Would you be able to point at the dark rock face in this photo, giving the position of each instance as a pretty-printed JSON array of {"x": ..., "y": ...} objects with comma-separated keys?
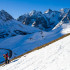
[
  {"x": 45, "y": 21},
  {"x": 35, "y": 19},
  {"x": 20, "y": 32}
]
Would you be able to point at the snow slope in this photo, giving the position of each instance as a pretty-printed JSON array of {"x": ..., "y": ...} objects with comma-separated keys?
[
  {"x": 56, "y": 56},
  {"x": 30, "y": 41},
  {"x": 14, "y": 28}
]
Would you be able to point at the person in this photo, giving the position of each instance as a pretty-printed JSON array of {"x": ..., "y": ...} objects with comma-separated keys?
[{"x": 6, "y": 58}]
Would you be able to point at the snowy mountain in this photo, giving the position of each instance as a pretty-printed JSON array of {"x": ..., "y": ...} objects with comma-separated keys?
[
  {"x": 64, "y": 10},
  {"x": 35, "y": 19},
  {"x": 4, "y": 16},
  {"x": 48, "y": 11},
  {"x": 11, "y": 27},
  {"x": 54, "y": 18},
  {"x": 46, "y": 21}
]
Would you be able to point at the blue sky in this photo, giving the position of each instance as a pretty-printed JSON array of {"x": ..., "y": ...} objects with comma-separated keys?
[{"x": 20, "y": 7}]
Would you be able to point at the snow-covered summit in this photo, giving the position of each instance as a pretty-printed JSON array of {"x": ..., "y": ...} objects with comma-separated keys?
[
  {"x": 34, "y": 12},
  {"x": 4, "y": 16},
  {"x": 35, "y": 19},
  {"x": 48, "y": 11},
  {"x": 64, "y": 10}
]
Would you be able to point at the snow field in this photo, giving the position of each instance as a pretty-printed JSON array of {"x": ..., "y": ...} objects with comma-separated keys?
[{"x": 55, "y": 56}]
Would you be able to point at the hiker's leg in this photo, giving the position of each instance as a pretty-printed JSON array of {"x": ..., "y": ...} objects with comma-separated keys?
[
  {"x": 8, "y": 61},
  {"x": 5, "y": 61}
]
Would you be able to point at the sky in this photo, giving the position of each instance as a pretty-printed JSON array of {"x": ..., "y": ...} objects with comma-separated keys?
[{"x": 19, "y": 7}]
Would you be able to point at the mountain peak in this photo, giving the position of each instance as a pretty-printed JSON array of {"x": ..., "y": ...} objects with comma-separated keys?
[
  {"x": 3, "y": 11},
  {"x": 49, "y": 10},
  {"x": 5, "y": 16},
  {"x": 34, "y": 12},
  {"x": 64, "y": 10}
]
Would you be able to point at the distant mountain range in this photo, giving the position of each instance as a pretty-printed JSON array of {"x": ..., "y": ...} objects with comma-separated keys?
[
  {"x": 46, "y": 21},
  {"x": 32, "y": 22}
]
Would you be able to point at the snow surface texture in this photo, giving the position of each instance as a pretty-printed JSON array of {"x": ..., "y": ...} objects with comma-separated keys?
[
  {"x": 53, "y": 57},
  {"x": 30, "y": 41}
]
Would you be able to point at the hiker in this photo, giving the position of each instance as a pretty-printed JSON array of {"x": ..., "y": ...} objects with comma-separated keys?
[{"x": 7, "y": 58}]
